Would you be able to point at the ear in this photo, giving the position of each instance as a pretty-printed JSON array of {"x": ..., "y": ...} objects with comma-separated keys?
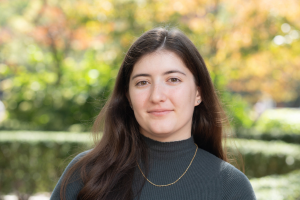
[{"x": 198, "y": 99}]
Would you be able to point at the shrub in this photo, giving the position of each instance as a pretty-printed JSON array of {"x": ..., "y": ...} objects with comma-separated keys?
[
  {"x": 278, "y": 187},
  {"x": 266, "y": 158},
  {"x": 33, "y": 162},
  {"x": 276, "y": 124},
  {"x": 268, "y": 136},
  {"x": 286, "y": 120}
]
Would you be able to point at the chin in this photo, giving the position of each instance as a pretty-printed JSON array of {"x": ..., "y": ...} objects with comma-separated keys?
[
  {"x": 161, "y": 130},
  {"x": 161, "y": 133}
]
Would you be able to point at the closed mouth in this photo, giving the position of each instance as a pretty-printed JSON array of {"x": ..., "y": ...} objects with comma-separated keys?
[{"x": 161, "y": 112}]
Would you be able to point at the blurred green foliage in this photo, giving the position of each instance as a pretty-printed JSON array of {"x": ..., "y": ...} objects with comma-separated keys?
[
  {"x": 275, "y": 124},
  {"x": 268, "y": 136},
  {"x": 58, "y": 59},
  {"x": 281, "y": 187},
  {"x": 265, "y": 158},
  {"x": 237, "y": 110},
  {"x": 35, "y": 101},
  {"x": 282, "y": 120},
  {"x": 26, "y": 160}
]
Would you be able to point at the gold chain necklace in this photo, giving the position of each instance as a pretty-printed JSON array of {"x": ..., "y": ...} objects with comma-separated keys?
[{"x": 174, "y": 181}]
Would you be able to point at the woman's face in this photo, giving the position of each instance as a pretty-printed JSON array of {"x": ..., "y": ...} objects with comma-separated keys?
[{"x": 163, "y": 95}]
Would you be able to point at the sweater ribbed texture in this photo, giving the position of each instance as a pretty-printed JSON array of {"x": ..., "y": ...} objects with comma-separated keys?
[{"x": 207, "y": 178}]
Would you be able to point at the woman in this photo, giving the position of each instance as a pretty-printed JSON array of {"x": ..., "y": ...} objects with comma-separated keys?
[{"x": 162, "y": 131}]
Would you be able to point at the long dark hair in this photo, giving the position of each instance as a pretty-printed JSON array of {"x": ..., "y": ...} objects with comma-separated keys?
[{"x": 107, "y": 170}]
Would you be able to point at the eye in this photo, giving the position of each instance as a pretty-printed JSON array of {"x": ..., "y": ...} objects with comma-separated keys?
[
  {"x": 175, "y": 80},
  {"x": 141, "y": 83}
]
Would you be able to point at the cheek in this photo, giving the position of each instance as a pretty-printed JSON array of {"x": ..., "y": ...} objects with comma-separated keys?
[
  {"x": 138, "y": 98},
  {"x": 182, "y": 96}
]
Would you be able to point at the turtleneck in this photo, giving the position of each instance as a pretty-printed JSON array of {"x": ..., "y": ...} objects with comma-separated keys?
[
  {"x": 167, "y": 160},
  {"x": 169, "y": 150},
  {"x": 208, "y": 177}
]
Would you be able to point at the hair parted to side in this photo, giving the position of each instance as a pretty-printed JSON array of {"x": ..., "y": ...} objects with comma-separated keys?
[{"x": 107, "y": 170}]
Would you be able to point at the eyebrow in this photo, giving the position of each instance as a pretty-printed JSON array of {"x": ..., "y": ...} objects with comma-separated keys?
[{"x": 167, "y": 72}]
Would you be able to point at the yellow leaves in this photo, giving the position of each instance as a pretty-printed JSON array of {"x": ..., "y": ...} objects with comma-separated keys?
[
  {"x": 197, "y": 25},
  {"x": 220, "y": 56},
  {"x": 186, "y": 7},
  {"x": 144, "y": 15},
  {"x": 89, "y": 9},
  {"x": 244, "y": 10},
  {"x": 262, "y": 72},
  {"x": 32, "y": 10},
  {"x": 126, "y": 41},
  {"x": 93, "y": 27},
  {"x": 239, "y": 37},
  {"x": 208, "y": 65},
  {"x": 6, "y": 84},
  {"x": 236, "y": 37},
  {"x": 107, "y": 55},
  {"x": 257, "y": 65},
  {"x": 106, "y": 5},
  {"x": 5, "y": 36},
  {"x": 121, "y": 25},
  {"x": 161, "y": 11},
  {"x": 20, "y": 24},
  {"x": 244, "y": 36},
  {"x": 275, "y": 86},
  {"x": 287, "y": 8},
  {"x": 178, "y": 7},
  {"x": 81, "y": 38}
]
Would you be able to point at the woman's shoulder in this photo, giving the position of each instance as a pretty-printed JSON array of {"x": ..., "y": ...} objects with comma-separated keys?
[
  {"x": 75, "y": 160},
  {"x": 235, "y": 184},
  {"x": 74, "y": 187},
  {"x": 78, "y": 157}
]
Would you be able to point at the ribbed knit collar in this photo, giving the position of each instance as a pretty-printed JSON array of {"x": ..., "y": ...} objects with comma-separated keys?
[{"x": 169, "y": 150}]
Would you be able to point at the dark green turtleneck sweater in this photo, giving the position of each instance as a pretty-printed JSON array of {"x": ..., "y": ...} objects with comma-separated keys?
[{"x": 207, "y": 178}]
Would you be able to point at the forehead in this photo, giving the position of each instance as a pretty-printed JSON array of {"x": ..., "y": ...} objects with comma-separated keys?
[{"x": 160, "y": 61}]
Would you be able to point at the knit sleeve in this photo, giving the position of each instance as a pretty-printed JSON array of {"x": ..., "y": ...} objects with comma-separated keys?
[
  {"x": 74, "y": 187},
  {"x": 235, "y": 184}
]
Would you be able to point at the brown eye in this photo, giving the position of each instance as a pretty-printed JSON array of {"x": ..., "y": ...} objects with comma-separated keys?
[
  {"x": 174, "y": 80},
  {"x": 142, "y": 83}
]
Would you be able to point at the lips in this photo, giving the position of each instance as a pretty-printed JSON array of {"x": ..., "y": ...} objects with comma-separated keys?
[{"x": 159, "y": 112}]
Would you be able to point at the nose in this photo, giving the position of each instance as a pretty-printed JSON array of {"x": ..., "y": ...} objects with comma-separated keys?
[{"x": 158, "y": 93}]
